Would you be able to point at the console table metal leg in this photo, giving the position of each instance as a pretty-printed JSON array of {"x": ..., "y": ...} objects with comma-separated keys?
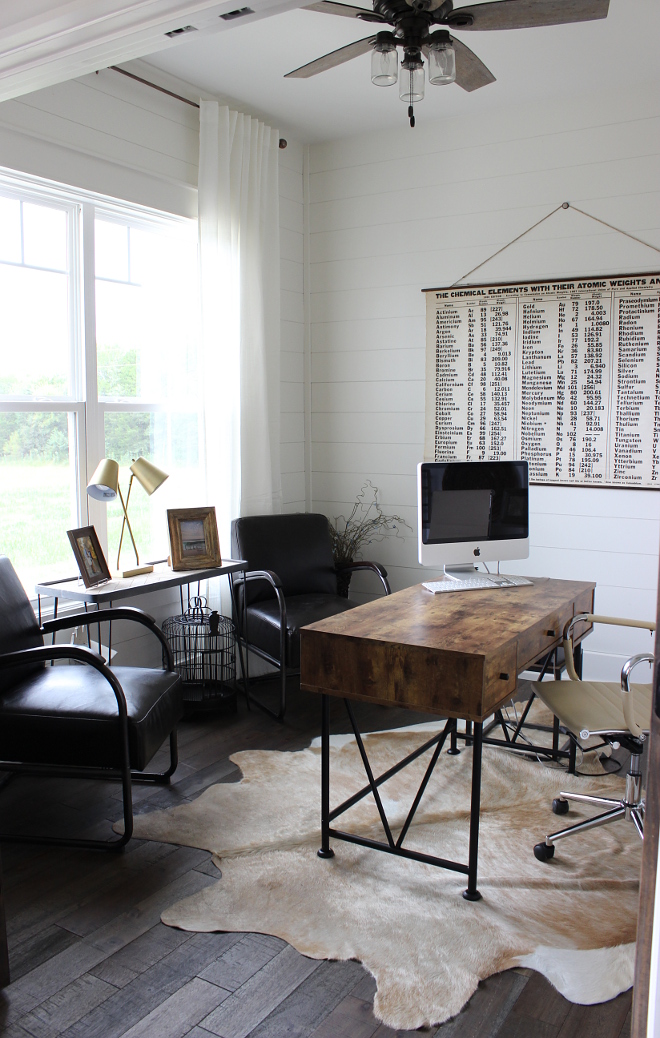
[
  {"x": 471, "y": 893},
  {"x": 325, "y": 851}
]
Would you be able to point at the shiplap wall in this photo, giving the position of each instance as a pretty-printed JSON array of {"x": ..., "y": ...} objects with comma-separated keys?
[
  {"x": 292, "y": 322},
  {"x": 396, "y": 212},
  {"x": 108, "y": 134}
]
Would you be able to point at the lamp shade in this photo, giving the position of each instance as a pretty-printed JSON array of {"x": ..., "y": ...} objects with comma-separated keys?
[
  {"x": 103, "y": 484},
  {"x": 149, "y": 476}
]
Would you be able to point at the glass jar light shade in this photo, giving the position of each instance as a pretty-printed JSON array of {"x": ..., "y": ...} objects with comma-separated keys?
[
  {"x": 442, "y": 63},
  {"x": 411, "y": 84},
  {"x": 384, "y": 65}
]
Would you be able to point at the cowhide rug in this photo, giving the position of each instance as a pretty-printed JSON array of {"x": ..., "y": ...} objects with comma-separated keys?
[{"x": 572, "y": 919}]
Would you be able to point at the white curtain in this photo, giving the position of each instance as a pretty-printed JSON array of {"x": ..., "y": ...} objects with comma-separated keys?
[{"x": 238, "y": 201}]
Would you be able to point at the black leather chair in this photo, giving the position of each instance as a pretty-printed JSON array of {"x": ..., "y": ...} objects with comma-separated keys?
[
  {"x": 291, "y": 581},
  {"x": 91, "y": 721}
]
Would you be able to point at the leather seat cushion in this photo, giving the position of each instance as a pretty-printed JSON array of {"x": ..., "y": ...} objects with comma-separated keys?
[
  {"x": 263, "y": 621},
  {"x": 594, "y": 705},
  {"x": 68, "y": 715}
]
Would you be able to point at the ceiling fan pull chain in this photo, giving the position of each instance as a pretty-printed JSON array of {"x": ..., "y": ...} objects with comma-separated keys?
[{"x": 411, "y": 115}]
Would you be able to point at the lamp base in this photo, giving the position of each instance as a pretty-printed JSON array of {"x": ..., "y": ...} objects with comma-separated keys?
[{"x": 137, "y": 571}]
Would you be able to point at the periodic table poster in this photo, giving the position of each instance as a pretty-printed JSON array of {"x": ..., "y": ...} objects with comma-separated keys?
[{"x": 563, "y": 374}]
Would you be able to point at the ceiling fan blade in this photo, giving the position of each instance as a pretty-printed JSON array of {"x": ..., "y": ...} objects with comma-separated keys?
[
  {"x": 525, "y": 14},
  {"x": 471, "y": 73},
  {"x": 345, "y": 10},
  {"x": 335, "y": 57}
]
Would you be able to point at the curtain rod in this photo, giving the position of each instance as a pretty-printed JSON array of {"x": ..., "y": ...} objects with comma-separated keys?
[
  {"x": 170, "y": 93},
  {"x": 154, "y": 86}
]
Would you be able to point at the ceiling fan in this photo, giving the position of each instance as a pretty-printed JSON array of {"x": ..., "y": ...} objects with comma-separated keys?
[{"x": 448, "y": 59}]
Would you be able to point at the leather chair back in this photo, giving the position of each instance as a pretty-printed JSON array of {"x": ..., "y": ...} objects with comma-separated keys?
[
  {"x": 296, "y": 546},
  {"x": 18, "y": 624}
]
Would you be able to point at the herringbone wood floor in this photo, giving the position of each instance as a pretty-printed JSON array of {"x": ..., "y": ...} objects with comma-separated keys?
[{"x": 90, "y": 959}]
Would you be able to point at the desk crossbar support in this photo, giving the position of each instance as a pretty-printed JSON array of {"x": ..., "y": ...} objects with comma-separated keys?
[
  {"x": 325, "y": 851},
  {"x": 401, "y": 852},
  {"x": 420, "y": 792},
  {"x": 336, "y": 811},
  {"x": 370, "y": 776}
]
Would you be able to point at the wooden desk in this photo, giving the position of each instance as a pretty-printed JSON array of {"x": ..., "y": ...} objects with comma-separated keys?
[{"x": 457, "y": 655}]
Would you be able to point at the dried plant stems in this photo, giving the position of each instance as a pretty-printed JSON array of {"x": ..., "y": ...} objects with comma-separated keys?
[{"x": 366, "y": 523}]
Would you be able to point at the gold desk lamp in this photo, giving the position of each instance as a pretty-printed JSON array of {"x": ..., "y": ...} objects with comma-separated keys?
[{"x": 104, "y": 486}]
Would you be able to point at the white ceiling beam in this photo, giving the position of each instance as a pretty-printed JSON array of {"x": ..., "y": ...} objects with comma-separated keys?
[{"x": 44, "y": 42}]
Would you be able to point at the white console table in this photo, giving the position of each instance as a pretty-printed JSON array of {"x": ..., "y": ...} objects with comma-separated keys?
[{"x": 73, "y": 588}]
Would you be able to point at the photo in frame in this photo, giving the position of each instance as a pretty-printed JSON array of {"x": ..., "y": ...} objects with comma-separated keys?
[
  {"x": 89, "y": 556},
  {"x": 194, "y": 540}
]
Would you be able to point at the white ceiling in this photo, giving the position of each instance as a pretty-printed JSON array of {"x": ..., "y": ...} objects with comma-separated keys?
[{"x": 556, "y": 63}]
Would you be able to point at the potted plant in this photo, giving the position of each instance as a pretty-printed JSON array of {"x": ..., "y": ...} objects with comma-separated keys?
[{"x": 366, "y": 523}]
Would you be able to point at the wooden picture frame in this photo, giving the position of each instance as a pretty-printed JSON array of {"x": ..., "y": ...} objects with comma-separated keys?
[
  {"x": 194, "y": 540},
  {"x": 89, "y": 556}
]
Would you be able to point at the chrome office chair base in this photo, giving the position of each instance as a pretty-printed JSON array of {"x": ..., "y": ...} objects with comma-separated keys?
[{"x": 630, "y": 806}]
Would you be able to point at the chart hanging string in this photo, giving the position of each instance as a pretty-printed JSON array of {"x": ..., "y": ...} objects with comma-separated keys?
[
  {"x": 564, "y": 205},
  {"x": 612, "y": 227}
]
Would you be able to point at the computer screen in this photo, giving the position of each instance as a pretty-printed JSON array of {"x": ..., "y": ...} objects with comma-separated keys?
[{"x": 472, "y": 511}]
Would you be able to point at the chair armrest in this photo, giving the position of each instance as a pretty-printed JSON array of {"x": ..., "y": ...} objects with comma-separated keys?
[
  {"x": 380, "y": 571},
  {"x": 260, "y": 574},
  {"x": 116, "y": 613},
  {"x": 596, "y": 618},
  {"x": 627, "y": 699},
  {"x": 45, "y": 653},
  {"x": 271, "y": 578}
]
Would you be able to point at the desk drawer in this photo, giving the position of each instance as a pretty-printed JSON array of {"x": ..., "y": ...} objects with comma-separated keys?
[{"x": 537, "y": 641}]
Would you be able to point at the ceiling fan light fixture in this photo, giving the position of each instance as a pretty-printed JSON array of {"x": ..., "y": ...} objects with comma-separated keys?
[
  {"x": 442, "y": 59},
  {"x": 384, "y": 61},
  {"x": 411, "y": 79}
]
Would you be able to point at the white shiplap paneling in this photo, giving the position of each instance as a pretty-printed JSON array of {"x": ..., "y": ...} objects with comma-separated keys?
[{"x": 393, "y": 213}]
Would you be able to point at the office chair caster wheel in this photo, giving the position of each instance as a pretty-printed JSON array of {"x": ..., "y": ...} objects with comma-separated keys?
[
  {"x": 543, "y": 852},
  {"x": 559, "y": 806}
]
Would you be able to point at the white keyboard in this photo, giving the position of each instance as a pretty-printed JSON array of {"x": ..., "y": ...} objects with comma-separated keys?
[{"x": 478, "y": 582}]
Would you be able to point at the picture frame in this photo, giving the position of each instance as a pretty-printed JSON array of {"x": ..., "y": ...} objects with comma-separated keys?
[
  {"x": 194, "y": 540},
  {"x": 89, "y": 556}
]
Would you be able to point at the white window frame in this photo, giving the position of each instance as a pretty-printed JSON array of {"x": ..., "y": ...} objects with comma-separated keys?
[{"x": 82, "y": 404}]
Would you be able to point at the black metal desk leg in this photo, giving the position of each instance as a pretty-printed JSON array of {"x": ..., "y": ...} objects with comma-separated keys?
[
  {"x": 325, "y": 851},
  {"x": 471, "y": 893},
  {"x": 453, "y": 741}
]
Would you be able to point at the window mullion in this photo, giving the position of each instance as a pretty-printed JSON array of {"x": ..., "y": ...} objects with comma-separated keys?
[{"x": 94, "y": 438}]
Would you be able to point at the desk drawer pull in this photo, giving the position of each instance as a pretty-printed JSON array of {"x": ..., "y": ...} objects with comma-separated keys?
[
  {"x": 551, "y": 634},
  {"x": 504, "y": 677}
]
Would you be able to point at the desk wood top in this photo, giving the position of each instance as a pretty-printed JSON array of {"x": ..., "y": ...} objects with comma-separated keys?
[{"x": 456, "y": 654}]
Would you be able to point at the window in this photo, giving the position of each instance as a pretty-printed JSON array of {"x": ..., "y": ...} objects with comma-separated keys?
[{"x": 99, "y": 343}]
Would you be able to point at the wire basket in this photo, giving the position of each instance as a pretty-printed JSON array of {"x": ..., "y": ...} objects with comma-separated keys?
[{"x": 203, "y": 643}]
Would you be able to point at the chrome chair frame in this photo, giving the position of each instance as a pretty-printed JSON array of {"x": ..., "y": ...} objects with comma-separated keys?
[{"x": 631, "y": 805}]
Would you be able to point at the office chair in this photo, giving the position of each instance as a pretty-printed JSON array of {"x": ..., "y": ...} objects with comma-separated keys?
[
  {"x": 619, "y": 714},
  {"x": 89, "y": 721},
  {"x": 291, "y": 582}
]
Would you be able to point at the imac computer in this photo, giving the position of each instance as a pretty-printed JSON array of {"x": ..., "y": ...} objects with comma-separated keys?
[{"x": 470, "y": 512}]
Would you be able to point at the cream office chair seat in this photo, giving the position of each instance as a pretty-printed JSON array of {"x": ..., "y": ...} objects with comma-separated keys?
[{"x": 618, "y": 713}]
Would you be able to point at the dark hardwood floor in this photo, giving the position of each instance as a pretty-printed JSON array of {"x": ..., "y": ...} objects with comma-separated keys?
[{"x": 89, "y": 957}]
